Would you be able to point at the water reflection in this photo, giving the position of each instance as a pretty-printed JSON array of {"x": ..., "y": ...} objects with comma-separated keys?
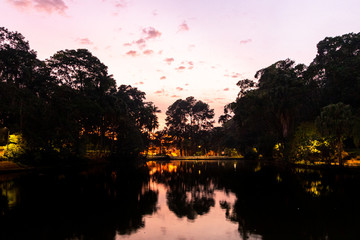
[
  {"x": 90, "y": 205},
  {"x": 182, "y": 200}
]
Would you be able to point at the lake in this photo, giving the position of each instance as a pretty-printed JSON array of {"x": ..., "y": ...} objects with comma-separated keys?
[{"x": 181, "y": 200}]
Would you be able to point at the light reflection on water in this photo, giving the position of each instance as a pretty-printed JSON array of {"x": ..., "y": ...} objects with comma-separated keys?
[
  {"x": 165, "y": 224},
  {"x": 182, "y": 200}
]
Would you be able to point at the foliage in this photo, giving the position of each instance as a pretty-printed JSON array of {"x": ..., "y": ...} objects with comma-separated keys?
[
  {"x": 335, "y": 122},
  {"x": 189, "y": 122},
  {"x": 69, "y": 103}
]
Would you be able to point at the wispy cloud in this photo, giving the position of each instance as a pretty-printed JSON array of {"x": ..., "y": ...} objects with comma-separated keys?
[
  {"x": 179, "y": 88},
  {"x": 132, "y": 53},
  {"x": 180, "y": 68},
  {"x": 163, "y": 78},
  {"x": 127, "y": 44},
  {"x": 139, "y": 83},
  {"x": 226, "y": 89},
  {"x": 162, "y": 91},
  {"x": 246, "y": 41},
  {"x": 151, "y": 33},
  {"x": 236, "y": 75},
  {"x": 169, "y": 60},
  {"x": 121, "y": 4},
  {"x": 183, "y": 27},
  {"x": 85, "y": 41},
  {"x": 141, "y": 43},
  {"x": 48, "y": 6},
  {"x": 175, "y": 96},
  {"x": 148, "y": 52}
]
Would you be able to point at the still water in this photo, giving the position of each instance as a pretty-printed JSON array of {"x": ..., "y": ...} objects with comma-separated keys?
[{"x": 182, "y": 200}]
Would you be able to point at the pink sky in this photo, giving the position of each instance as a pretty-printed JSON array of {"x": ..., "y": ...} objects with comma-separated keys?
[{"x": 174, "y": 49}]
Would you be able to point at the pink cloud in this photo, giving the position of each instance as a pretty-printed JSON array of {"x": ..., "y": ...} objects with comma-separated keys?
[
  {"x": 246, "y": 41},
  {"x": 148, "y": 52},
  {"x": 140, "y": 41},
  {"x": 186, "y": 84},
  {"x": 132, "y": 53},
  {"x": 155, "y": 13},
  {"x": 162, "y": 91},
  {"x": 127, "y": 44},
  {"x": 121, "y": 4},
  {"x": 48, "y": 6},
  {"x": 180, "y": 68},
  {"x": 139, "y": 83},
  {"x": 236, "y": 75},
  {"x": 169, "y": 60},
  {"x": 179, "y": 88},
  {"x": 163, "y": 78},
  {"x": 183, "y": 27},
  {"x": 191, "y": 65},
  {"x": 226, "y": 89},
  {"x": 151, "y": 33},
  {"x": 85, "y": 41},
  {"x": 175, "y": 96}
]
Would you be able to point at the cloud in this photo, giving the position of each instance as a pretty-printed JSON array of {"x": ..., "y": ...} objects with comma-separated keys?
[
  {"x": 121, "y": 4},
  {"x": 139, "y": 83},
  {"x": 179, "y": 88},
  {"x": 191, "y": 65},
  {"x": 180, "y": 68},
  {"x": 155, "y": 12},
  {"x": 249, "y": 40},
  {"x": 226, "y": 89},
  {"x": 127, "y": 44},
  {"x": 48, "y": 6},
  {"x": 169, "y": 60},
  {"x": 162, "y": 91},
  {"x": 140, "y": 41},
  {"x": 183, "y": 27},
  {"x": 236, "y": 75},
  {"x": 163, "y": 78},
  {"x": 175, "y": 96},
  {"x": 148, "y": 52},
  {"x": 132, "y": 53},
  {"x": 151, "y": 33},
  {"x": 85, "y": 41},
  {"x": 186, "y": 84},
  {"x": 233, "y": 75}
]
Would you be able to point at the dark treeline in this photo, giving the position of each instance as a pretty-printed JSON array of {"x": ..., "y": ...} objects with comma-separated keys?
[
  {"x": 289, "y": 111},
  {"x": 68, "y": 103},
  {"x": 301, "y": 112}
]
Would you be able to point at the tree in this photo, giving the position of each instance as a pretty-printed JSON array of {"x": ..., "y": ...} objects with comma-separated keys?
[
  {"x": 186, "y": 119},
  {"x": 267, "y": 113},
  {"x": 82, "y": 71},
  {"x": 336, "y": 69},
  {"x": 335, "y": 122}
]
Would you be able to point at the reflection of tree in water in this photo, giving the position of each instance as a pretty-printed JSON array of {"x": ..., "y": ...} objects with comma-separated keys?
[
  {"x": 276, "y": 203},
  {"x": 190, "y": 186},
  {"x": 87, "y": 206},
  {"x": 272, "y": 202}
]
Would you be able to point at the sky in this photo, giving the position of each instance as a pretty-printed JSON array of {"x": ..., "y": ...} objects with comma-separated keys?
[{"x": 172, "y": 49}]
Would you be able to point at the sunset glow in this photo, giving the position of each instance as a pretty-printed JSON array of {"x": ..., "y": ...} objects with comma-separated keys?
[{"x": 176, "y": 49}]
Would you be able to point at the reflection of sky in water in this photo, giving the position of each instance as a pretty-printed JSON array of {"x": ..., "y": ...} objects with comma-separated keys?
[{"x": 164, "y": 224}]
